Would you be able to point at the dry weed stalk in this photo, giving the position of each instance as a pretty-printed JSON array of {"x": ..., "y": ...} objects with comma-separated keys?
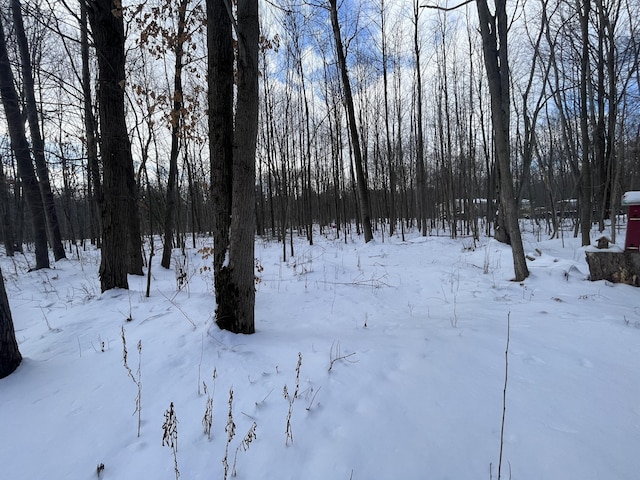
[
  {"x": 207, "y": 420},
  {"x": 137, "y": 378},
  {"x": 335, "y": 355},
  {"x": 291, "y": 399},
  {"x": 230, "y": 428},
  {"x": 246, "y": 441},
  {"x": 170, "y": 435}
]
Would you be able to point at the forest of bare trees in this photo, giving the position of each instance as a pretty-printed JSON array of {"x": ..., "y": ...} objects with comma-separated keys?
[{"x": 125, "y": 121}]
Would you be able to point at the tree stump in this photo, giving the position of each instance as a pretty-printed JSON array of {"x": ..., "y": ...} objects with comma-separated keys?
[{"x": 617, "y": 267}]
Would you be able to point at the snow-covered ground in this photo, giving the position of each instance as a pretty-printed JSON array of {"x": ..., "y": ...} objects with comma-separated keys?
[{"x": 402, "y": 348}]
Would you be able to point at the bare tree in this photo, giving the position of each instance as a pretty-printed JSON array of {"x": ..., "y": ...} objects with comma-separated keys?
[
  {"x": 20, "y": 147},
  {"x": 493, "y": 29},
  {"x": 241, "y": 250},
  {"x": 94, "y": 185},
  {"x": 307, "y": 189},
  {"x": 34, "y": 130},
  {"x": 585, "y": 174},
  {"x": 363, "y": 191},
  {"x": 420, "y": 170},
  {"x": 120, "y": 223},
  {"x": 530, "y": 115},
  {"x": 176, "y": 126},
  {"x": 390, "y": 159},
  {"x": 235, "y": 292}
]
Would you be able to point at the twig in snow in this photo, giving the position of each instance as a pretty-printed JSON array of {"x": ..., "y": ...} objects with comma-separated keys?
[
  {"x": 504, "y": 392},
  {"x": 335, "y": 356},
  {"x": 179, "y": 309}
]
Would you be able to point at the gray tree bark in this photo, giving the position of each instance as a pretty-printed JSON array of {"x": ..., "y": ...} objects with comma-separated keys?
[
  {"x": 37, "y": 141},
  {"x": 220, "y": 97},
  {"x": 363, "y": 191},
  {"x": 616, "y": 267},
  {"x": 10, "y": 357},
  {"x": 241, "y": 250},
  {"x": 5, "y": 214},
  {"x": 120, "y": 224},
  {"x": 235, "y": 291},
  {"x": 420, "y": 170},
  {"x": 390, "y": 160},
  {"x": 176, "y": 125},
  {"x": 493, "y": 29},
  {"x": 20, "y": 147},
  {"x": 93, "y": 166},
  {"x": 585, "y": 174}
]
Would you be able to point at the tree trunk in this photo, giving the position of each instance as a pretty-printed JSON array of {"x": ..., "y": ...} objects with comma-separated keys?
[
  {"x": 241, "y": 250},
  {"x": 10, "y": 357},
  {"x": 392, "y": 176},
  {"x": 307, "y": 154},
  {"x": 20, "y": 147},
  {"x": 399, "y": 149},
  {"x": 363, "y": 191},
  {"x": 616, "y": 267},
  {"x": 36, "y": 137},
  {"x": 176, "y": 125},
  {"x": 420, "y": 170},
  {"x": 93, "y": 167},
  {"x": 5, "y": 213},
  {"x": 220, "y": 97},
  {"x": 235, "y": 282},
  {"x": 133, "y": 219},
  {"x": 531, "y": 118},
  {"x": 118, "y": 182},
  {"x": 585, "y": 175},
  {"x": 494, "y": 44}
]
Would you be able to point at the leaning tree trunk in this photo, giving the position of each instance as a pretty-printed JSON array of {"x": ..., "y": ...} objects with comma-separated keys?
[
  {"x": 20, "y": 147},
  {"x": 10, "y": 357},
  {"x": 493, "y": 29},
  {"x": 36, "y": 136},
  {"x": 220, "y": 96},
  {"x": 363, "y": 192},
  {"x": 108, "y": 34}
]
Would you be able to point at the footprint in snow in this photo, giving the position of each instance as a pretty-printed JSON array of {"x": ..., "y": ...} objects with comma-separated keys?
[
  {"x": 533, "y": 360},
  {"x": 586, "y": 363}
]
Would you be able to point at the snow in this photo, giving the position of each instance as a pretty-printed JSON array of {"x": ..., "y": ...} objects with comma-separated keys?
[
  {"x": 613, "y": 248},
  {"x": 402, "y": 375},
  {"x": 631, "y": 198}
]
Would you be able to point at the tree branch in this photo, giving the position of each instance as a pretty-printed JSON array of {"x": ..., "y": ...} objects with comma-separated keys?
[{"x": 447, "y": 9}]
